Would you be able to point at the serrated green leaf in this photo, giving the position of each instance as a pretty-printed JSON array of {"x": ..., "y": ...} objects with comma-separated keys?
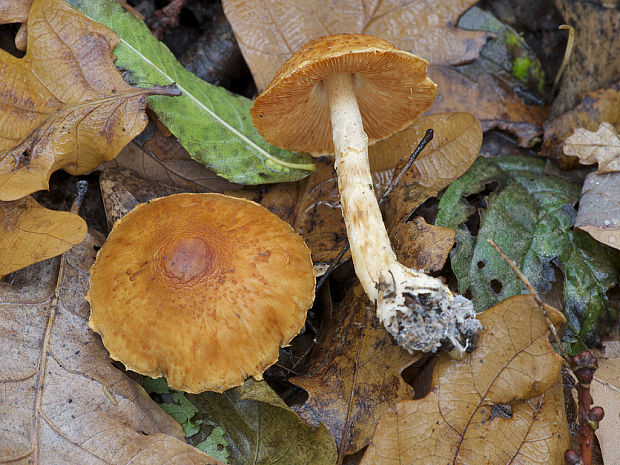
[
  {"x": 530, "y": 216},
  {"x": 215, "y": 445},
  {"x": 262, "y": 430},
  {"x": 212, "y": 124}
]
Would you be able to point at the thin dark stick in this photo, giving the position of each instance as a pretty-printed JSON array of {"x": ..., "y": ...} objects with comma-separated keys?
[
  {"x": 428, "y": 136},
  {"x": 534, "y": 294}
]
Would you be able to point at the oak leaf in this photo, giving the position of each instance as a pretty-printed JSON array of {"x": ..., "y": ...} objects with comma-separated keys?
[
  {"x": 602, "y": 147},
  {"x": 62, "y": 400},
  {"x": 30, "y": 233},
  {"x": 501, "y": 404},
  {"x": 599, "y": 212},
  {"x": 595, "y": 107},
  {"x": 64, "y": 104},
  {"x": 605, "y": 390},
  {"x": 14, "y": 11},
  {"x": 269, "y": 32}
]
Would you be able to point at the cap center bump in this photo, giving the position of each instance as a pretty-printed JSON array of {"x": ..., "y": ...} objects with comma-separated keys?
[{"x": 187, "y": 258}]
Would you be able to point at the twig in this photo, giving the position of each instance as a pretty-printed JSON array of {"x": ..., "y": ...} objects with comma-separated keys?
[
  {"x": 536, "y": 297},
  {"x": 567, "y": 54},
  {"x": 583, "y": 366},
  {"x": 428, "y": 136}
]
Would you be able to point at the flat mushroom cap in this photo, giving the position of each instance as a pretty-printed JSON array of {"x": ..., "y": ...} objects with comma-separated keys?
[
  {"x": 200, "y": 288},
  {"x": 391, "y": 88}
]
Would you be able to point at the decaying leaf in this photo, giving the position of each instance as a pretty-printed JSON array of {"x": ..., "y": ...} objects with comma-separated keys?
[
  {"x": 351, "y": 382},
  {"x": 595, "y": 60},
  {"x": 262, "y": 430},
  {"x": 14, "y": 11},
  {"x": 163, "y": 159},
  {"x": 30, "y": 233},
  {"x": 211, "y": 123},
  {"x": 599, "y": 211},
  {"x": 595, "y": 107},
  {"x": 605, "y": 390},
  {"x": 455, "y": 146},
  {"x": 530, "y": 215},
  {"x": 507, "y": 56},
  {"x": 63, "y": 401},
  {"x": 122, "y": 189},
  {"x": 501, "y": 404},
  {"x": 64, "y": 105},
  {"x": 491, "y": 101},
  {"x": 602, "y": 147},
  {"x": 269, "y": 32},
  {"x": 335, "y": 364}
]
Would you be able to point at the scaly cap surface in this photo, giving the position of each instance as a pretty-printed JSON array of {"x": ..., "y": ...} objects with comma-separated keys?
[{"x": 200, "y": 288}]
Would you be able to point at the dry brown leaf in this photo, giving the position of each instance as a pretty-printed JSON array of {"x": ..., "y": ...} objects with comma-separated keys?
[
  {"x": 64, "y": 105},
  {"x": 332, "y": 369},
  {"x": 595, "y": 60},
  {"x": 269, "y": 32},
  {"x": 599, "y": 208},
  {"x": 14, "y": 11},
  {"x": 492, "y": 102},
  {"x": 605, "y": 390},
  {"x": 365, "y": 360},
  {"x": 602, "y": 147},
  {"x": 422, "y": 246},
  {"x": 455, "y": 146},
  {"x": 122, "y": 189},
  {"x": 30, "y": 233},
  {"x": 62, "y": 400},
  {"x": 163, "y": 159},
  {"x": 501, "y": 404},
  {"x": 595, "y": 107},
  {"x": 363, "y": 367}
]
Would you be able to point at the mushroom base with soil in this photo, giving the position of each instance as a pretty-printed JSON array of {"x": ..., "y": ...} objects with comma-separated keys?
[{"x": 419, "y": 311}]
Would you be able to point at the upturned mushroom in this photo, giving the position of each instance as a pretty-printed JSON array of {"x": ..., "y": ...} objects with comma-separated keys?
[
  {"x": 335, "y": 95},
  {"x": 200, "y": 288}
]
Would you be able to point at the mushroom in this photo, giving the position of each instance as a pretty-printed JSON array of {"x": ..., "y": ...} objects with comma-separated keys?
[
  {"x": 200, "y": 288},
  {"x": 335, "y": 95}
]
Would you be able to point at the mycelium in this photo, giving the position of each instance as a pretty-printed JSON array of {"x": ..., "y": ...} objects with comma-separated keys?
[
  {"x": 200, "y": 288},
  {"x": 335, "y": 95}
]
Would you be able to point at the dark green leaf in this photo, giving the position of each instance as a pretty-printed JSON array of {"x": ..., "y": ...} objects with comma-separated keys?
[
  {"x": 261, "y": 429},
  {"x": 530, "y": 216},
  {"x": 215, "y": 445},
  {"x": 212, "y": 124}
]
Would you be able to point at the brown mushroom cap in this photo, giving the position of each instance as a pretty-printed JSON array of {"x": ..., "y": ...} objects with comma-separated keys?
[
  {"x": 391, "y": 88},
  {"x": 200, "y": 288}
]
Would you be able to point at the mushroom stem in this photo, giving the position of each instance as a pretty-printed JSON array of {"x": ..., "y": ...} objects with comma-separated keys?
[{"x": 418, "y": 310}]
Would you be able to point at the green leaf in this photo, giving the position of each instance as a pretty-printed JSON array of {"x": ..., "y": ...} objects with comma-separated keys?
[
  {"x": 530, "y": 215},
  {"x": 262, "y": 430},
  {"x": 215, "y": 445},
  {"x": 212, "y": 124},
  {"x": 183, "y": 411},
  {"x": 155, "y": 386}
]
